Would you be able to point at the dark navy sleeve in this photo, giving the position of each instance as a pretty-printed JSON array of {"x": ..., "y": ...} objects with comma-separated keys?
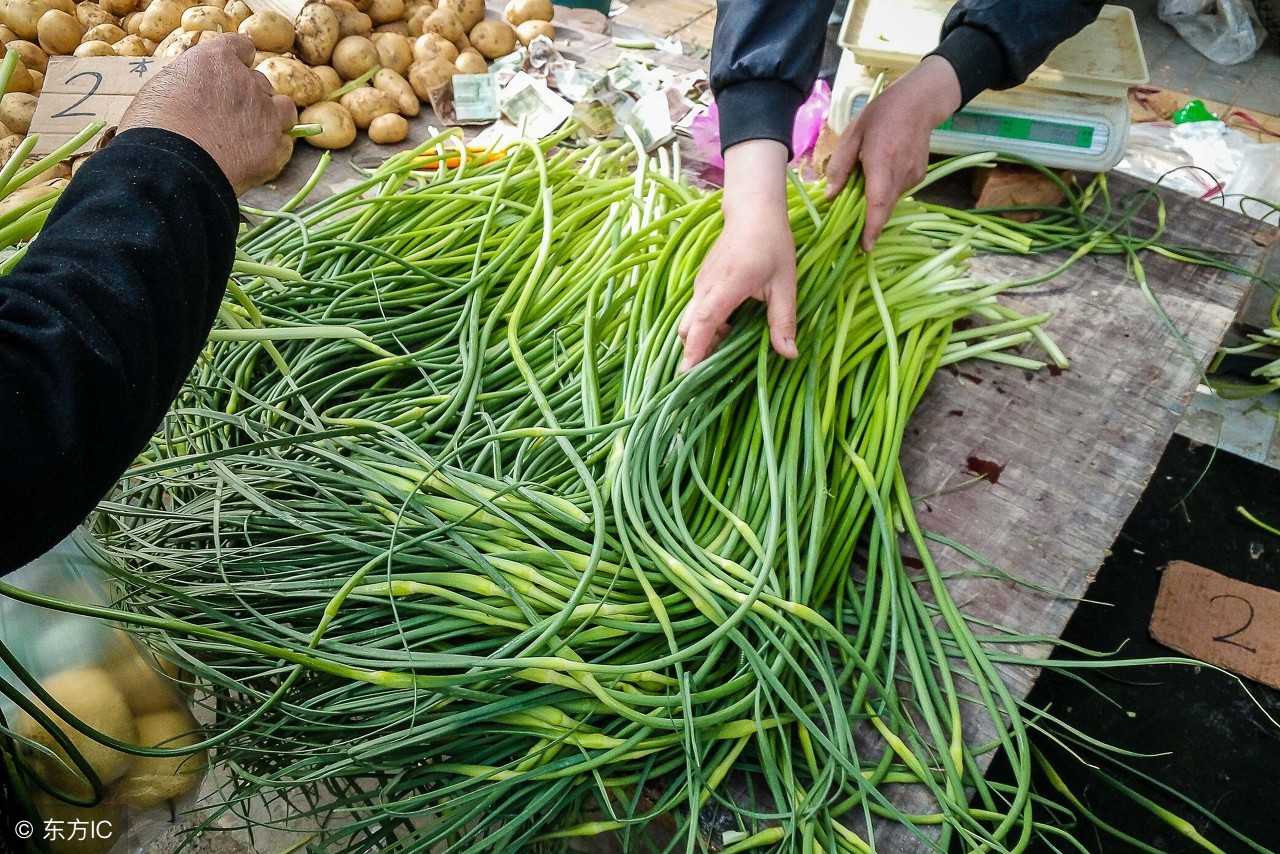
[
  {"x": 100, "y": 323},
  {"x": 765, "y": 56},
  {"x": 996, "y": 44}
]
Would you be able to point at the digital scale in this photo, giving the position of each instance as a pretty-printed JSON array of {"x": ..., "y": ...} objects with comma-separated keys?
[{"x": 1071, "y": 113}]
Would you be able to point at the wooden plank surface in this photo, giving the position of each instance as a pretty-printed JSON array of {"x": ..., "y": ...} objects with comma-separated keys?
[{"x": 1077, "y": 448}]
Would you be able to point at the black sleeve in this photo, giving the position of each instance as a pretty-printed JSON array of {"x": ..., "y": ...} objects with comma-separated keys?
[
  {"x": 99, "y": 325},
  {"x": 996, "y": 44},
  {"x": 765, "y": 56}
]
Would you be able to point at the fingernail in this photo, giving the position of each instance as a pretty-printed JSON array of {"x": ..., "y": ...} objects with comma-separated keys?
[
  {"x": 789, "y": 348},
  {"x": 684, "y": 365}
]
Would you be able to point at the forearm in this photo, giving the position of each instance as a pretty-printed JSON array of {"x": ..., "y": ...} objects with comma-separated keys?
[
  {"x": 755, "y": 174},
  {"x": 765, "y": 57},
  {"x": 995, "y": 44},
  {"x": 99, "y": 325}
]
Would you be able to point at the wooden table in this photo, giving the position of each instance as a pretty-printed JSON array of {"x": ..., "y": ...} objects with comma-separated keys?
[{"x": 1077, "y": 447}]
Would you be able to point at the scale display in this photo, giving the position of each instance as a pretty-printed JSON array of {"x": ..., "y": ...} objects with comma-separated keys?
[{"x": 1021, "y": 132}]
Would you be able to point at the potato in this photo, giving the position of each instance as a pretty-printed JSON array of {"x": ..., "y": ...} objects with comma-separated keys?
[
  {"x": 493, "y": 38},
  {"x": 8, "y": 145},
  {"x": 131, "y": 23},
  {"x": 431, "y": 75},
  {"x": 330, "y": 82},
  {"x": 385, "y": 11},
  {"x": 317, "y": 31},
  {"x": 162, "y": 17},
  {"x": 155, "y": 780},
  {"x": 413, "y": 6},
  {"x": 430, "y": 46},
  {"x": 95, "y": 48},
  {"x": 530, "y": 30},
  {"x": 400, "y": 28},
  {"x": 269, "y": 31},
  {"x": 292, "y": 77},
  {"x": 238, "y": 11},
  {"x": 20, "y": 80},
  {"x": 388, "y": 129},
  {"x": 209, "y": 18},
  {"x": 179, "y": 42},
  {"x": 469, "y": 12},
  {"x": 444, "y": 23},
  {"x": 519, "y": 11},
  {"x": 132, "y": 46},
  {"x": 23, "y": 16},
  {"x": 417, "y": 18},
  {"x": 399, "y": 89},
  {"x": 91, "y": 15},
  {"x": 351, "y": 21},
  {"x": 362, "y": 5},
  {"x": 59, "y": 33},
  {"x": 37, "y": 82},
  {"x": 354, "y": 23},
  {"x": 366, "y": 104},
  {"x": 140, "y": 681},
  {"x": 89, "y": 695},
  {"x": 119, "y": 8},
  {"x": 108, "y": 33},
  {"x": 32, "y": 56},
  {"x": 16, "y": 110},
  {"x": 261, "y": 56},
  {"x": 471, "y": 62},
  {"x": 339, "y": 129},
  {"x": 394, "y": 51},
  {"x": 7, "y": 35},
  {"x": 462, "y": 43},
  {"x": 353, "y": 56}
]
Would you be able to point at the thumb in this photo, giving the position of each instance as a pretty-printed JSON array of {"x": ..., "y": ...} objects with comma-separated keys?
[
  {"x": 782, "y": 316},
  {"x": 845, "y": 158}
]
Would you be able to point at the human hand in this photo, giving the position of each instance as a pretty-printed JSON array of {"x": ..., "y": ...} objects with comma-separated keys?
[
  {"x": 890, "y": 137},
  {"x": 211, "y": 96},
  {"x": 754, "y": 256}
]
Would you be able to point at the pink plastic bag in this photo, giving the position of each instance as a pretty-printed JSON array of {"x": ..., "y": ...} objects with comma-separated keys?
[
  {"x": 705, "y": 129},
  {"x": 809, "y": 119}
]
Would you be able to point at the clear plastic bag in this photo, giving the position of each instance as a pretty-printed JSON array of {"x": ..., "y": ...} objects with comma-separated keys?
[
  {"x": 97, "y": 676},
  {"x": 1223, "y": 30}
]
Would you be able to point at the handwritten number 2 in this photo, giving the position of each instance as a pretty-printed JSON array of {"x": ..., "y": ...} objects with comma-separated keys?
[
  {"x": 1227, "y": 638},
  {"x": 66, "y": 113}
]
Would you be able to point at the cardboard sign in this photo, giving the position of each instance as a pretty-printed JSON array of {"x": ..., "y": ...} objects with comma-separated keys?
[
  {"x": 1219, "y": 620},
  {"x": 288, "y": 8},
  {"x": 81, "y": 90}
]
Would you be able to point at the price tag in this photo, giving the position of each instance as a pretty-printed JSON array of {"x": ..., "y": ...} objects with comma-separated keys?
[
  {"x": 288, "y": 8},
  {"x": 81, "y": 90},
  {"x": 1219, "y": 620}
]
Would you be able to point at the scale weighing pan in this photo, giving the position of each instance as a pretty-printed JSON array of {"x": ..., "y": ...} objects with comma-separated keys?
[{"x": 1072, "y": 112}]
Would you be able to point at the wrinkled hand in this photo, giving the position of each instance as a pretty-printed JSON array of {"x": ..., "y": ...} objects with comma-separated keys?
[
  {"x": 891, "y": 140},
  {"x": 754, "y": 257},
  {"x": 211, "y": 96}
]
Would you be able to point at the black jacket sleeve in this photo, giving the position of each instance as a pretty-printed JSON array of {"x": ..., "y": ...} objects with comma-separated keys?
[
  {"x": 99, "y": 325},
  {"x": 766, "y": 53},
  {"x": 996, "y": 44}
]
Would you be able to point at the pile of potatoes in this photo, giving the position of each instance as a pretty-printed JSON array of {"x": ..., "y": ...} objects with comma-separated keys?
[
  {"x": 417, "y": 46},
  {"x": 127, "y": 699}
]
